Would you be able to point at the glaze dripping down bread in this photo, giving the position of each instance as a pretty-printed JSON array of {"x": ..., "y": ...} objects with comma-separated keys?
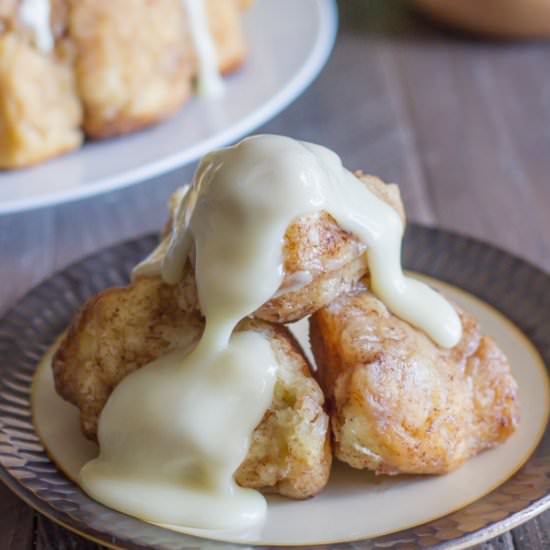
[
  {"x": 199, "y": 396},
  {"x": 123, "y": 329}
]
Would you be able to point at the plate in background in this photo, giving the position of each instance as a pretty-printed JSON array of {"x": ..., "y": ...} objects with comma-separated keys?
[
  {"x": 289, "y": 42},
  {"x": 515, "y": 478}
]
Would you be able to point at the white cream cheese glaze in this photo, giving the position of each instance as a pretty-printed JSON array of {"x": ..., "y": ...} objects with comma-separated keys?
[
  {"x": 35, "y": 14},
  {"x": 173, "y": 433},
  {"x": 209, "y": 80},
  {"x": 244, "y": 197}
]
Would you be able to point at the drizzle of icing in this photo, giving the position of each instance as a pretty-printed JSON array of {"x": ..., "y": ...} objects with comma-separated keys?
[
  {"x": 244, "y": 197},
  {"x": 209, "y": 80},
  {"x": 36, "y": 15},
  {"x": 173, "y": 433}
]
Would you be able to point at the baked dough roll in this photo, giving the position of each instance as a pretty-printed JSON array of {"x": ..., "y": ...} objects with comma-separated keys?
[
  {"x": 398, "y": 402},
  {"x": 123, "y": 329},
  {"x": 224, "y": 18},
  {"x": 134, "y": 62},
  {"x": 320, "y": 260},
  {"x": 40, "y": 113}
]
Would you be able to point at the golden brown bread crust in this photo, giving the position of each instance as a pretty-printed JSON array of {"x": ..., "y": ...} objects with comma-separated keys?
[
  {"x": 116, "y": 332},
  {"x": 8, "y": 11},
  {"x": 324, "y": 287},
  {"x": 224, "y": 18},
  {"x": 243, "y": 4},
  {"x": 40, "y": 113},
  {"x": 122, "y": 329},
  {"x": 290, "y": 452},
  {"x": 133, "y": 74},
  {"x": 321, "y": 260},
  {"x": 332, "y": 258},
  {"x": 399, "y": 403}
]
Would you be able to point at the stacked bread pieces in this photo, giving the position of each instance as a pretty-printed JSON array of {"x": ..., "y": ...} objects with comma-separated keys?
[
  {"x": 112, "y": 67},
  {"x": 396, "y": 401}
]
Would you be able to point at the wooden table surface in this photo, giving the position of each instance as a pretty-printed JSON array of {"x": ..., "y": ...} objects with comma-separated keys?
[{"x": 463, "y": 126}]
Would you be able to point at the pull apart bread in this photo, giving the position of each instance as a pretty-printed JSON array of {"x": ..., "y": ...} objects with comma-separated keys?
[
  {"x": 133, "y": 75},
  {"x": 398, "y": 402},
  {"x": 123, "y": 329},
  {"x": 114, "y": 66}
]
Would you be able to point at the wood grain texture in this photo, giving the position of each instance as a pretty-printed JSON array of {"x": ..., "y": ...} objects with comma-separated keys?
[
  {"x": 462, "y": 124},
  {"x": 504, "y": 542},
  {"x": 16, "y": 522},
  {"x": 535, "y": 534}
]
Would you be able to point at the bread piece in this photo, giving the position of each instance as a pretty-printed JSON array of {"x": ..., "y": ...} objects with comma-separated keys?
[
  {"x": 224, "y": 18},
  {"x": 318, "y": 250},
  {"x": 40, "y": 113},
  {"x": 290, "y": 452},
  {"x": 123, "y": 329},
  {"x": 321, "y": 260},
  {"x": 134, "y": 62},
  {"x": 401, "y": 404},
  {"x": 8, "y": 13}
]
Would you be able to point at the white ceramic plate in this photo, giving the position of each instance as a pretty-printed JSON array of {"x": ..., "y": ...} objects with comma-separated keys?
[
  {"x": 491, "y": 493},
  {"x": 289, "y": 42},
  {"x": 387, "y": 504}
]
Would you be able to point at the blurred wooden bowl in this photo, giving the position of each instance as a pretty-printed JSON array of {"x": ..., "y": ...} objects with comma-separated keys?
[{"x": 504, "y": 18}]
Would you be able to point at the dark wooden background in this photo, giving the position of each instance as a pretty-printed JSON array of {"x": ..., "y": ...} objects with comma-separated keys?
[{"x": 462, "y": 124}]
